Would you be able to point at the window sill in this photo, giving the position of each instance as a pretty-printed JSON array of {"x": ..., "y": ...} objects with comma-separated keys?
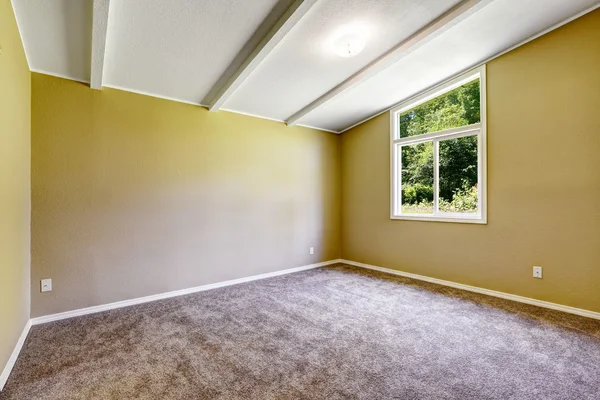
[{"x": 476, "y": 219}]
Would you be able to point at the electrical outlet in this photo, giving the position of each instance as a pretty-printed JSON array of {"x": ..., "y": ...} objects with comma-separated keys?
[
  {"x": 46, "y": 285},
  {"x": 537, "y": 272},
  {"x": 311, "y": 250}
]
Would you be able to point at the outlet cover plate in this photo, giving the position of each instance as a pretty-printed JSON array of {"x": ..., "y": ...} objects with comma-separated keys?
[{"x": 46, "y": 285}]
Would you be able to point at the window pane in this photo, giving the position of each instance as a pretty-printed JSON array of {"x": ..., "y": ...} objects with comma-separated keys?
[
  {"x": 453, "y": 109},
  {"x": 458, "y": 175},
  {"x": 417, "y": 178}
]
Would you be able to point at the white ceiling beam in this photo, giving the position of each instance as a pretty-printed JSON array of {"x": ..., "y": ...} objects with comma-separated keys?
[
  {"x": 99, "y": 29},
  {"x": 425, "y": 34},
  {"x": 275, "y": 35}
]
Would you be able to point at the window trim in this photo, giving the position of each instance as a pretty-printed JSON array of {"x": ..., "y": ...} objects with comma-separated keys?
[{"x": 396, "y": 143}]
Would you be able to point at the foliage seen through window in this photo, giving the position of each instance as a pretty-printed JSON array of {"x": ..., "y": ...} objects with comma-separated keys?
[{"x": 458, "y": 169}]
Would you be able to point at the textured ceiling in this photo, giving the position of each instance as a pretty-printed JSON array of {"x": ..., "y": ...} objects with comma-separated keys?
[
  {"x": 180, "y": 48},
  {"x": 493, "y": 29},
  {"x": 304, "y": 68},
  {"x": 192, "y": 50},
  {"x": 57, "y": 36}
]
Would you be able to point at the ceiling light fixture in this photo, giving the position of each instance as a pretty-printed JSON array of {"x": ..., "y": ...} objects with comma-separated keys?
[{"x": 349, "y": 45}]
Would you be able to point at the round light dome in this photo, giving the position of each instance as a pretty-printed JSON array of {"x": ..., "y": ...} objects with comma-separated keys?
[{"x": 349, "y": 45}]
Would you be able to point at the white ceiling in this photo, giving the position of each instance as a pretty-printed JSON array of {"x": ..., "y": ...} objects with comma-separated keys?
[
  {"x": 273, "y": 58},
  {"x": 494, "y": 28},
  {"x": 303, "y": 68},
  {"x": 57, "y": 36},
  {"x": 180, "y": 48}
]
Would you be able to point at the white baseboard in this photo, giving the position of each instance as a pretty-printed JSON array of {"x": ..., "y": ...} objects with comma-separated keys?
[
  {"x": 15, "y": 354},
  {"x": 160, "y": 296},
  {"x": 494, "y": 293}
]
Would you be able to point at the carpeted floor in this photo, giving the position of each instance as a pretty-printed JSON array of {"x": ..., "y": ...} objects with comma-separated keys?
[{"x": 331, "y": 333}]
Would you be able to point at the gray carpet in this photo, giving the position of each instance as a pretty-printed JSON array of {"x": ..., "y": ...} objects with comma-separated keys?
[{"x": 330, "y": 333}]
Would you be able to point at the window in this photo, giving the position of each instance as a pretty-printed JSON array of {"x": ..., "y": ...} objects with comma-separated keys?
[{"x": 438, "y": 153}]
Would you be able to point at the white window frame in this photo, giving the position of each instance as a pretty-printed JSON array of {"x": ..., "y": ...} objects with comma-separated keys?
[{"x": 396, "y": 144}]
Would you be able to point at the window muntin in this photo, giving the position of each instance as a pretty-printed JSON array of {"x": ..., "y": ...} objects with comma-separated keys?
[{"x": 438, "y": 153}]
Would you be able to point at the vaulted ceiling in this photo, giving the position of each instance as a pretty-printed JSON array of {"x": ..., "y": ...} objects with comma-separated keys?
[{"x": 274, "y": 58}]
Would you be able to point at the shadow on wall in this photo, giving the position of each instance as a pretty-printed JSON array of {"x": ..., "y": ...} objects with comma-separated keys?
[{"x": 135, "y": 196}]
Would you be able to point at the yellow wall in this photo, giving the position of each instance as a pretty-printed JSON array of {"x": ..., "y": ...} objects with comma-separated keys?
[
  {"x": 543, "y": 182},
  {"x": 134, "y": 195},
  {"x": 15, "y": 96}
]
